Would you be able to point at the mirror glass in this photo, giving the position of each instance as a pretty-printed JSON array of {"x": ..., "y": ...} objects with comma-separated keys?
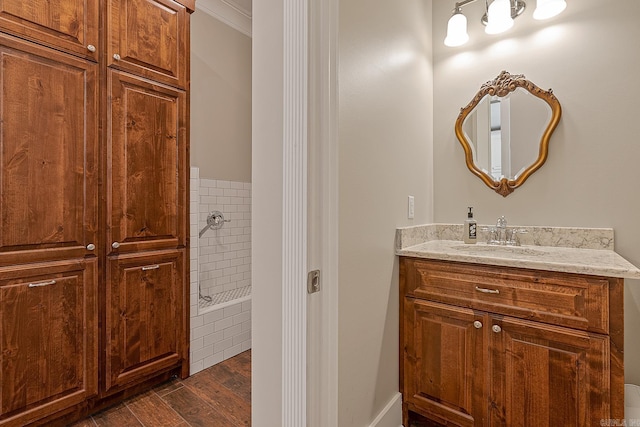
[{"x": 505, "y": 130}]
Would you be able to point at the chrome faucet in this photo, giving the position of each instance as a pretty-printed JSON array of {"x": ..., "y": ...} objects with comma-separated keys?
[
  {"x": 503, "y": 235},
  {"x": 501, "y": 230}
]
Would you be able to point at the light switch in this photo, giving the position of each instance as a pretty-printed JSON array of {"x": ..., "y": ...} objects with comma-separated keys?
[{"x": 411, "y": 207}]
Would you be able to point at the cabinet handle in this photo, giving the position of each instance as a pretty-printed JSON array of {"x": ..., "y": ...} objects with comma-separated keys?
[
  {"x": 115, "y": 245},
  {"x": 91, "y": 247},
  {"x": 477, "y": 324},
  {"x": 150, "y": 267},
  {"x": 116, "y": 57},
  {"x": 487, "y": 291},
  {"x": 37, "y": 285},
  {"x": 91, "y": 48},
  {"x": 496, "y": 328}
]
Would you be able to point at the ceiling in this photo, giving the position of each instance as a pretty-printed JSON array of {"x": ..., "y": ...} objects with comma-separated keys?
[{"x": 235, "y": 13}]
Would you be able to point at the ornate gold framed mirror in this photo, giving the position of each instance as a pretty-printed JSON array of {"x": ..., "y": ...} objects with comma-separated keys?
[{"x": 505, "y": 130}]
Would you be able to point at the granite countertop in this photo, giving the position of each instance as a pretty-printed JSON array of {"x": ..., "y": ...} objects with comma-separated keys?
[{"x": 569, "y": 250}]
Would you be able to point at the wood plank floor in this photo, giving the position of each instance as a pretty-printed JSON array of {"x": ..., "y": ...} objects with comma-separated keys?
[{"x": 218, "y": 396}]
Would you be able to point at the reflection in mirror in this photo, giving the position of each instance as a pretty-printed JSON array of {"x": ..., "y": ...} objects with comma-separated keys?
[{"x": 505, "y": 130}]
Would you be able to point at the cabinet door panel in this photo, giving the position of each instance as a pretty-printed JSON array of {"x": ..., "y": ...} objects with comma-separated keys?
[
  {"x": 145, "y": 316},
  {"x": 149, "y": 38},
  {"x": 48, "y": 197},
  {"x": 444, "y": 361},
  {"x": 48, "y": 338},
  {"x": 542, "y": 373},
  {"x": 70, "y": 25},
  {"x": 147, "y": 165}
]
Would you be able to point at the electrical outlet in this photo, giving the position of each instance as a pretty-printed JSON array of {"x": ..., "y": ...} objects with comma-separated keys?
[{"x": 411, "y": 207}]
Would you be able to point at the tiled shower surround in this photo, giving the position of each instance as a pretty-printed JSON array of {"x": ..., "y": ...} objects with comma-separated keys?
[{"x": 221, "y": 263}]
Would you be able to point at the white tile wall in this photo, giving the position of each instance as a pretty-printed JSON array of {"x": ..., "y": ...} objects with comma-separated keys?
[
  {"x": 225, "y": 255},
  {"x": 221, "y": 260}
]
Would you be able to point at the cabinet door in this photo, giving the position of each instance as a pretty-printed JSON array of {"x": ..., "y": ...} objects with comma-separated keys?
[
  {"x": 444, "y": 363},
  {"x": 148, "y": 38},
  {"x": 48, "y": 338},
  {"x": 145, "y": 316},
  {"x": 70, "y": 25},
  {"x": 542, "y": 375},
  {"x": 48, "y": 155},
  {"x": 146, "y": 165}
]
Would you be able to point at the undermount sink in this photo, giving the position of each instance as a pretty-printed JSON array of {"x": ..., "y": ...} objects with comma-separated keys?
[{"x": 493, "y": 249}]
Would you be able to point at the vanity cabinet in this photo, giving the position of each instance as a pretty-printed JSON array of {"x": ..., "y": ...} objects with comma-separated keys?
[
  {"x": 501, "y": 346},
  {"x": 93, "y": 198}
]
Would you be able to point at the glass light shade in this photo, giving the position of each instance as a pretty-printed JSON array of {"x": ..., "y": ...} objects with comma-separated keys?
[
  {"x": 499, "y": 17},
  {"x": 546, "y": 9},
  {"x": 456, "y": 30}
]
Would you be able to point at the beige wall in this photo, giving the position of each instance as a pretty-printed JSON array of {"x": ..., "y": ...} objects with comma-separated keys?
[
  {"x": 589, "y": 56},
  {"x": 385, "y": 137},
  {"x": 266, "y": 223},
  {"x": 220, "y": 100}
]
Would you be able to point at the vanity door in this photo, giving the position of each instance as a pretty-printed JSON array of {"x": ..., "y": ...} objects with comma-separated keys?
[
  {"x": 540, "y": 374},
  {"x": 444, "y": 363}
]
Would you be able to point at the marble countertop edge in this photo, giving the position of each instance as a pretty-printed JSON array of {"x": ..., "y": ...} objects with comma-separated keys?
[{"x": 569, "y": 250}]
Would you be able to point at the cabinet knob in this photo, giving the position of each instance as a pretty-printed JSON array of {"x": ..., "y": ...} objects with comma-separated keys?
[
  {"x": 91, "y": 48},
  {"x": 91, "y": 247},
  {"x": 496, "y": 328},
  {"x": 116, "y": 57},
  {"x": 115, "y": 245},
  {"x": 477, "y": 324}
]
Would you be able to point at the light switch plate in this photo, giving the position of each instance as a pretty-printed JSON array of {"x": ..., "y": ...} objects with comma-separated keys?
[{"x": 411, "y": 207}]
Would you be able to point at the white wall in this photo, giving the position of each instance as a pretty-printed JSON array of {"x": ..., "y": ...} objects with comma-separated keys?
[
  {"x": 589, "y": 56},
  {"x": 220, "y": 100},
  {"x": 385, "y": 145}
]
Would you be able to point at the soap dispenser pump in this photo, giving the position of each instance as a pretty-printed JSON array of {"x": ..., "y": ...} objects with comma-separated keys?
[{"x": 470, "y": 228}]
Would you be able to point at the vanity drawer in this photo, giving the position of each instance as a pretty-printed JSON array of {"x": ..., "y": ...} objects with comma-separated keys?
[{"x": 571, "y": 300}]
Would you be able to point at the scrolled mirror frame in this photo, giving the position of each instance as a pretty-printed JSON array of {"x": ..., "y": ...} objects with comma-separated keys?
[{"x": 501, "y": 86}]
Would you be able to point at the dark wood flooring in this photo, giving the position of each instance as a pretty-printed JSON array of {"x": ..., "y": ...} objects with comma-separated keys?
[{"x": 217, "y": 396}]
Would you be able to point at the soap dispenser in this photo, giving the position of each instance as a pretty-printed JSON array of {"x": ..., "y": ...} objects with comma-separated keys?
[{"x": 470, "y": 228}]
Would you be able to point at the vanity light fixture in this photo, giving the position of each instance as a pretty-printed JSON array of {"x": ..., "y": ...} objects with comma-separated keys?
[
  {"x": 498, "y": 18},
  {"x": 546, "y": 9}
]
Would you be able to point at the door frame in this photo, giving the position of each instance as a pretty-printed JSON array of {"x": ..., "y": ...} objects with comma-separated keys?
[
  {"x": 290, "y": 389},
  {"x": 322, "y": 316}
]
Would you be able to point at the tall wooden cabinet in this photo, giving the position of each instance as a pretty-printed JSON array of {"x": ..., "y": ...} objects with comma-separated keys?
[
  {"x": 498, "y": 346},
  {"x": 93, "y": 203}
]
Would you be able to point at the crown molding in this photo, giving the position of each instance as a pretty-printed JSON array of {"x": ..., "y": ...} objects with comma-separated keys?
[{"x": 227, "y": 13}]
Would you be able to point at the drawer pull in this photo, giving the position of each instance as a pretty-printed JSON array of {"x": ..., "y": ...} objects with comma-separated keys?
[
  {"x": 496, "y": 329},
  {"x": 477, "y": 324},
  {"x": 487, "y": 291},
  {"x": 37, "y": 285},
  {"x": 150, "y": 267}
]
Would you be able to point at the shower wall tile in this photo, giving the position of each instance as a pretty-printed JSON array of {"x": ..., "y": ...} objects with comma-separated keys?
[
  {"x": 224, "y": 254},
  {"x": 220, "y": 261}
]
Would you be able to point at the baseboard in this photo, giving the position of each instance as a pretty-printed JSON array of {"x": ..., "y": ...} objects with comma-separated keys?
[{"x": 391, "y": 415}]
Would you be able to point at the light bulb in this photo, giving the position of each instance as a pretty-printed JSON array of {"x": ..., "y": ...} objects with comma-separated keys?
[
  {"x": 456, "y": 30},
  {"x": 499, "y": 17},
  {"x": 546, "y": 9}
]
